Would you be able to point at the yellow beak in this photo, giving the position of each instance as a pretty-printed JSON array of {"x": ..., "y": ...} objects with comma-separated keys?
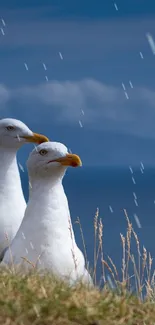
[
  {"x": 36, "y": 138},
  {"x": 69, "y": 160}
]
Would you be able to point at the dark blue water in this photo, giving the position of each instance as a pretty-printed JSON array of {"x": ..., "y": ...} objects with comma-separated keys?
[{"x": 89, "y": 188}]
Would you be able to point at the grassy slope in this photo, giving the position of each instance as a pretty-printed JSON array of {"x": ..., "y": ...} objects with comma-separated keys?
[
  {"x": 43, "y": 300},
  {"x": 31, "y": 299}
]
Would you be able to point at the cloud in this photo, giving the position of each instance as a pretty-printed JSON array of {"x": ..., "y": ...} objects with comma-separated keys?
[
  {"x": 35, "y": 28},
  {"x": 66, "y": 100},
  {"x": 97, "y": 105}
]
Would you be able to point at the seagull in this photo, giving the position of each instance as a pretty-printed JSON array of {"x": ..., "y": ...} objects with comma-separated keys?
[
  {"x": 46, "y": 238},
  {"x": 13, "y": 134}
]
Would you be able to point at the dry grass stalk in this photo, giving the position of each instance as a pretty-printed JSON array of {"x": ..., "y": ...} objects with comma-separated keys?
[
  {"x": 29, "y": 262},
  {"x": 123, "y": 258},
  {"x": 95, "y": 242},
  {"x": 114, "y": 267},
  {"x": 135, "y": 273},
  {"x": 150, "y": 268},
  {"x": 138, "y": 250},
  {"x": 100, "y": 245},
  {"x": 83, "y": 241},
  {"x": 100, "y": 236},
  {"x": 10, "y": 252},
  {"x": 139, "y": 263},
  {"x": 109, "y": 269},
  {"x": 72, "y": 250},
  {"x": 128, "y": 239},
  {"x": 144, "y": 261}
]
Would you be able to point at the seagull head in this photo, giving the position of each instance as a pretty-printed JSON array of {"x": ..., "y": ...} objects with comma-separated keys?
[
  {"x": 14, "y": 133},
  {"x": 51, "y": 158}
]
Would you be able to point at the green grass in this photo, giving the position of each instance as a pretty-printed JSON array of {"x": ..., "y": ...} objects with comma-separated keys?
[
  {"x": 27, "y": 299},
  {"x": 31, "y": 299}
]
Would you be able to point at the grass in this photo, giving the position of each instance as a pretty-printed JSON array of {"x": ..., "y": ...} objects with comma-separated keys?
[
  {"x": 27, "y": 299},
  {"x": 31, "y": 299}
]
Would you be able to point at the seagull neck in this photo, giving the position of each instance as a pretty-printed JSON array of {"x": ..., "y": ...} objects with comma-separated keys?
[
  {"x": 47, "y": 181},
  {"x": 8, "y": 166},
  {"x": 7, "y": 157},
  {"x": 48, "y": 184},
  {"x": 50, "y": 201}
]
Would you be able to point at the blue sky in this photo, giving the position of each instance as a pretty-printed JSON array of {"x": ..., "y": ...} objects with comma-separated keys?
[{"x": 101, "y": 50}]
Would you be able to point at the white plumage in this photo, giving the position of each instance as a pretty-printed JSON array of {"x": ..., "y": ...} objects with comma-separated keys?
[
  {"x": 46, "y": 236},
  {"x": 13, "y": 134}
]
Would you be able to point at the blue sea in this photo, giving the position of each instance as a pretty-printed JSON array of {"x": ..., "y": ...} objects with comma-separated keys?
[{"x": 111, "y": 190}]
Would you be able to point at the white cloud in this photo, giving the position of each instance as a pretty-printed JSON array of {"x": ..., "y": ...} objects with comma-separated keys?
[
  {"x": 69, "y": 97},
  {"x": 105, "y": 107}
]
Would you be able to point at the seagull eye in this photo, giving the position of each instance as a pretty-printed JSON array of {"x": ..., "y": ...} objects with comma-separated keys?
[
  {"x": 43, "y": 152},
  {"x": 10, "y": 128}
]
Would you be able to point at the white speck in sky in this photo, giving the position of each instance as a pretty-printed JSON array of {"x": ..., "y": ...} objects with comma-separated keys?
[
  {"x": 39, "y": 260},
  {"x": 141, "y": 55},
  {"x": 130, "y": 83},
  {"x": 136, "y": 203},
  {"x": 131, "y": 170},
  {"x": 111, "y": 209},
  {"x": 123, "y": 86},
  {"x": 44, "y": 65},
  {"x": 135, "y": 196},
  {"x": 60, "y": 54},
  {"x": 46, "y": 78},
  {"x": 18, "y": 137},
  {"x": 35, "y": 147},
  {"x": 26, "y": 66},
  {"x": 110, "y": 282},
  {"x": 126, "y": 95},
  {"x": 82, "y": 111},
  {"x": 31, "y": 245},
  {"x": 2, "y": 31},
  {"x": 80, "y": 124},
  {"x": 3, "y": 22},
  {"x": 142, "y": 165},
  {"x": 115, "y": 5},
  {"x": 23, "y": 236},
  {"x": 70, "y": 151},
  {"x": 26, "y": 250},
  {"x": 21, "y": 167},
  {"x": 137, "y": 221},
  {"x": 30, "y": 184},
  {"x": 133, "y": 180},
  {"x": 151, "y": 42}
]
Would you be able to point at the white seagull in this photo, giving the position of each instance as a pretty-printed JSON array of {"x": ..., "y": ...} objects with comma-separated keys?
[
  {"x": 13, "y": 134},
  {"x": 46, "y": 238}
]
